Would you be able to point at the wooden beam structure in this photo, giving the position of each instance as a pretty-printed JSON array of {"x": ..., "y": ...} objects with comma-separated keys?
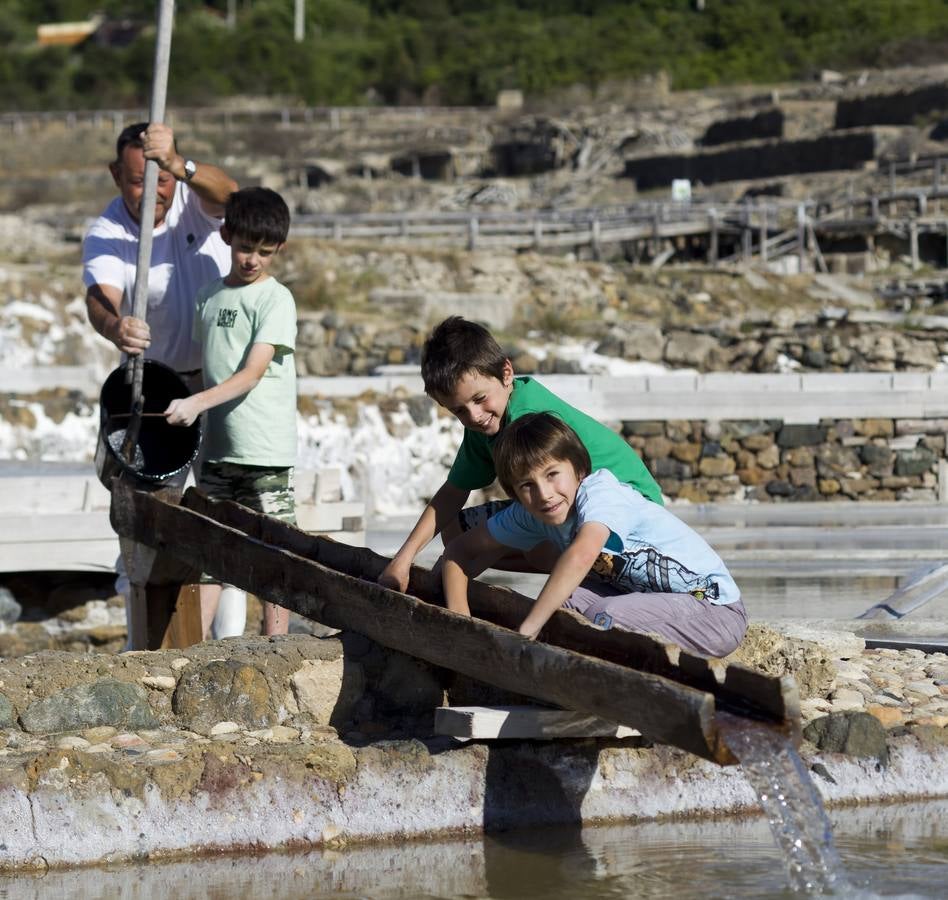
[{"x": 668, "y": 695}]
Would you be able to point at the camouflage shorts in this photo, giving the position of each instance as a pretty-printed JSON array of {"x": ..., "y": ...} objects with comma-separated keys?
[
  {"x": 261, "y": 488},
  {"x": 475, "y": 515}
]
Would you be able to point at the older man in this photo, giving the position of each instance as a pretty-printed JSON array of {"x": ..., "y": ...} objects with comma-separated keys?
[
  {"x": 187, "y": 253},
  {"x": 187, "y": 250}
]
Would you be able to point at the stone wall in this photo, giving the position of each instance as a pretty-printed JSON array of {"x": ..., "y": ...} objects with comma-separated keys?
[
  {"x": 766, "y": 124},
  {"x": 898, "y": 108},
  {"x": 828, "y": 341},
  {"x": 768, "y": 460},
  {"x": 763, "y": 160}
]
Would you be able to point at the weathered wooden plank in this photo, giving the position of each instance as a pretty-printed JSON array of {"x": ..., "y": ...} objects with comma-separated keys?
[
  {"x": 733, "y": 686},
  {"x": 522, "y": 723},
  {"x": 661, "y": 709},
  {"x": 179, "y": 624}
]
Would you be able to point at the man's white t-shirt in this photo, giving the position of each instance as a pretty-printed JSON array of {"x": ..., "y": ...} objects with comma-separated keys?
[{"x": 187, "y": 253}]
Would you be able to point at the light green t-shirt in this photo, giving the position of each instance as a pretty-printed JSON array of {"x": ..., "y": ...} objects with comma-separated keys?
[
  {"x": 259, "y": 428},
  {"x": 474, "y": 465}
]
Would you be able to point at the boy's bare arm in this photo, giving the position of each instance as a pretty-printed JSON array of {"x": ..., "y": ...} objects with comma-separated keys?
[
  {"x": 443, "y": 509},
  {"x": 186, "y": 409},
  {"x": 466, "y": 558},
  {"x": 570, "y": 569}
]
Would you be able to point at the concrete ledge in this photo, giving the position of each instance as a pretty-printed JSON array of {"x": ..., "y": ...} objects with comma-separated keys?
[
  {"x": 240, "y": 797},
  {"x": 794, "y": 398}
]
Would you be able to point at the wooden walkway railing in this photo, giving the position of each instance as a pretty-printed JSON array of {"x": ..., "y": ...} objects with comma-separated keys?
[{"x": 765, "y": 230}]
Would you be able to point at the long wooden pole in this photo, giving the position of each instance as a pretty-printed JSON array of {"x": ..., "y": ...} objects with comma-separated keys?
[{"x": 146, "y": 224}]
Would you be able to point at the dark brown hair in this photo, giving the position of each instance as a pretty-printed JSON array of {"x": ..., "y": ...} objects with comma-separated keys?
[
  {"x": 131, "y": 136},
  {"x": 455, "y": 348},
  {"x": 531, "y": 441},
  {"x": 257, "y": 214}
]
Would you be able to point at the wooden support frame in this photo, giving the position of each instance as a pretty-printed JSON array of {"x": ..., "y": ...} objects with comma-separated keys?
[
  {"x": 734, "y": 686},
  {"x": 293, "y": 569}
]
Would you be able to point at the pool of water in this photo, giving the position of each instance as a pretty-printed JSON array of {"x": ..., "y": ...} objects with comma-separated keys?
[
  {"x": 799, "y": 590},
  {"x": 888, "y": 851}
]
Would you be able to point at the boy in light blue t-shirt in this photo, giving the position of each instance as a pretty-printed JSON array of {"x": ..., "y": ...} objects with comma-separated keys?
[
  {"x": 619, "y": 559},
  {"x": 246, "y": 324}
]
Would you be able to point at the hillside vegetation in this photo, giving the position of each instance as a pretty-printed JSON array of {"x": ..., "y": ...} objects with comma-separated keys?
[{"x": 454, "y": 51}]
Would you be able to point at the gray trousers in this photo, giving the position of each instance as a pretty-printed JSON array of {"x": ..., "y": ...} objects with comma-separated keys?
[{"x": 695, "y": 625}]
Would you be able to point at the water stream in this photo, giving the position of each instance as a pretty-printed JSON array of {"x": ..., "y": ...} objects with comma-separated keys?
[{"x": 791, "y": 803}]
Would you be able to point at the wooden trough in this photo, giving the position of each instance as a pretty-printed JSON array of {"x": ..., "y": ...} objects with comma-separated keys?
[{"x": 670, "y": 696}]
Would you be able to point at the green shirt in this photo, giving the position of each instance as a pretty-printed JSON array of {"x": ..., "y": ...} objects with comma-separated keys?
[
  {"x": 474, "y": 465},
  {"x": 259, "y": 428}
]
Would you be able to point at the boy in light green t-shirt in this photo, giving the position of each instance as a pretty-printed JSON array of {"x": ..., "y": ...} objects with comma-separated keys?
[
  {"x": 246, "y": 324},
  {"x": 467, "y": 372}
]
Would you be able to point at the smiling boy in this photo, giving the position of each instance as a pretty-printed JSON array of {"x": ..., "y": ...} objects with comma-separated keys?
[
  {"x": 246, "y": 324},
  {"x": 465, "y": 371},
  {"x": 620, "y": 560}
]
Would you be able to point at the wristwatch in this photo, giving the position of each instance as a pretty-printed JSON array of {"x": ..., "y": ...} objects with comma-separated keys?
[{"x": 190, "y": 167}]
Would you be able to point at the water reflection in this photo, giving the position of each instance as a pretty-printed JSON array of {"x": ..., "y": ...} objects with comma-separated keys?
[{"x": 899, "y": 850}]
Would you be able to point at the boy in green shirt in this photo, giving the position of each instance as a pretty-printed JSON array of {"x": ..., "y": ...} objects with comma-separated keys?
[
  {"x": 246, "y": 324},
  {"x": 465, "y": 370}
]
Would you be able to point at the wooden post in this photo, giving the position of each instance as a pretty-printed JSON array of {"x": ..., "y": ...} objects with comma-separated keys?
[
  {"x": 537, "y": 233},
  {"x": 594, "y": 238},
  {"x": 747, "y": 236},
  {"x": 936, "y": 186},
  {"x": 913, "y": 243},
  {"x": 472, "y": 230},
  {"x": 892, "y": 188},
  {"x": 763, "y": 233},
  {"x": 164, "y": 607},
  {"x": 713, "y": 243},
  {"x": 801, "y": 237}
]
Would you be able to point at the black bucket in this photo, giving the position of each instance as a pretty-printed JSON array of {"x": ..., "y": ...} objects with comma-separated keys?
[{"x": 162, "y": 450}]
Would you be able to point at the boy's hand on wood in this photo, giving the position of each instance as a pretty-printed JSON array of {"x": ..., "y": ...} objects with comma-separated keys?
[
  {"x": 394, "y": 577},
  {"x": 182, "y": 411}
]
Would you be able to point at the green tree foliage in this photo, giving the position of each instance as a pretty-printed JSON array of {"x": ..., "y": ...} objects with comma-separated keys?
[{"x": 452, "y": 51}]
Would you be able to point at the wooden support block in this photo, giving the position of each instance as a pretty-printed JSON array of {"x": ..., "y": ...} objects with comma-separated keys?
[
  {"x": 523, "y": 722},
  {"x": 182, "y": 628}
]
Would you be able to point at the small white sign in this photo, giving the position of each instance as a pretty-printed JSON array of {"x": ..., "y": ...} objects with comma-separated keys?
[{"x": 681, "y": 190}]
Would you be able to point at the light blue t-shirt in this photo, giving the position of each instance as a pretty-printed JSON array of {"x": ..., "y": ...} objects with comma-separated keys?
[{"x": 649, "y": 549}]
